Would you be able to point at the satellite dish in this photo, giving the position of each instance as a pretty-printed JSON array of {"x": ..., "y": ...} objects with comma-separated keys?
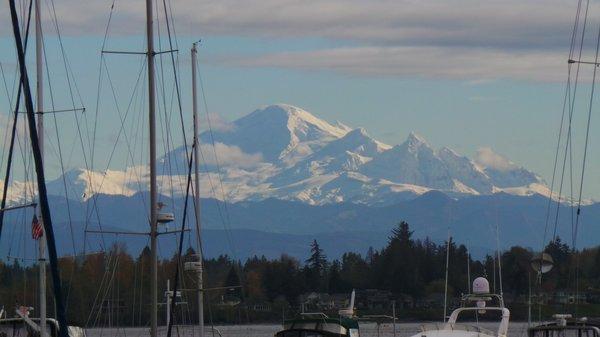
[
  {"x": 542, "y": 263},
  {"x": 163, "y": 218}
]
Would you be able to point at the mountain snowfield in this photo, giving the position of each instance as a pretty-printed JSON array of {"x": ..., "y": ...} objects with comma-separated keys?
[{"x": 284, "y": 152}]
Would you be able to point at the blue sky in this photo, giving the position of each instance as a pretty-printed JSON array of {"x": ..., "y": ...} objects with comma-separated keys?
[{"x": 462, "y": 73}]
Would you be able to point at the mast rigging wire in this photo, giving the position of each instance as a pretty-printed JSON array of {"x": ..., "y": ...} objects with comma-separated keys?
[
  {"x": 183, "y": 226},
  {"x": 571, "y": 94},
  {"x": 14, "y": 127},
  {"x": 571, "y": 101},
  {"x": 583, "y": 168}
]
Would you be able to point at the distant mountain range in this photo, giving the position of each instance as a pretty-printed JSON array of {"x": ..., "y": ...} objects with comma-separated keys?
[
  {"x": 284, "y": 152},
  {"x": 272, "y": 227},
  {"x": 288, "y": 175}
]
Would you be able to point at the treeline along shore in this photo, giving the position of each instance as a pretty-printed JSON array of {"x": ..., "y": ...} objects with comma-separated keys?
[{"x": 112, "y": 288}]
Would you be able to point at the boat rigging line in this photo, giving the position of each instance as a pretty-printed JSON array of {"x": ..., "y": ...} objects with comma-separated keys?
[
  {"x": 180, "y": 249},
  {"x": 572, "y": 82},
  {"x": 568, "y": 102},
  {"x": 13, "y": 129},
  {"x": 446, "y": 279}
]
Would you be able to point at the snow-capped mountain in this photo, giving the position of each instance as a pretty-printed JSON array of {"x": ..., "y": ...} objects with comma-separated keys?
[
  {"x": 281, "y": 133},
  {"x": 412, "y": 162},
  {"x": 346, "y": 154},
  {"x": 284, "y": 152}
]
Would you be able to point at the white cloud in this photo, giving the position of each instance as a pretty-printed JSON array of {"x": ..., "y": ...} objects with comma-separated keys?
[
  {"x": 217, "y": 123},
  {"x": 230, "y": 156},
  {"x": 472, "y": 39},
  {"x": 426, "y": 62},
  {"x": 509, "y": 23},
  {"x": 486, "y": 157}
]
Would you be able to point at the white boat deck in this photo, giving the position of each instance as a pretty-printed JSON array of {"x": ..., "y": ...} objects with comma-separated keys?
[{"x": 516, "y": 329}]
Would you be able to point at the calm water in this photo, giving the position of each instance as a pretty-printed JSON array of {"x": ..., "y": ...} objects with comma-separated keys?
[{"x": 366, "y": 330}]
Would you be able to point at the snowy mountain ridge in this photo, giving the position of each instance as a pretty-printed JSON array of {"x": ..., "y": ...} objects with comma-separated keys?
[{"x": 285, "y": 152}]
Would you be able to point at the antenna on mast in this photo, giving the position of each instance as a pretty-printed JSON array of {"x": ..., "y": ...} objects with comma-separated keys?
[
  {"x": 499, "y": 261},
  {"x": 468, "y": 267},
  {"x": 446, "y": 282}
]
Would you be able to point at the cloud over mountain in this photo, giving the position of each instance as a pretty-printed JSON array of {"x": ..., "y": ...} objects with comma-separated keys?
[{"x": 486, "y": 157}]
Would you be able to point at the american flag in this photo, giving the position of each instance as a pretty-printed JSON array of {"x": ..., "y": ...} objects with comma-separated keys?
[{"x": 37, "y": 231}]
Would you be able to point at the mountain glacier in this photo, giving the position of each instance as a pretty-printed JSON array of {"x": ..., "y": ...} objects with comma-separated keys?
[{"x": 285, "y": 152}]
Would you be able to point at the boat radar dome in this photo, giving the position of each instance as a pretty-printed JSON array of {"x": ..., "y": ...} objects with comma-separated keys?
[{"x": 481, "y": 286}]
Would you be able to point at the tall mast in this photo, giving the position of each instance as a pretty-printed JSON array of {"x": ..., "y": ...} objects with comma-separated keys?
[
  {"x": 196, "y": 146},
  {"x": 153, "y": 187},
  {"x": 41, "y": 179},
  {"x": 40, "y": 129}
]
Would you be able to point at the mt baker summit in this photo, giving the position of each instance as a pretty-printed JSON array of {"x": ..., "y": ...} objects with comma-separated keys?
[{"x": 285, "y": 152}]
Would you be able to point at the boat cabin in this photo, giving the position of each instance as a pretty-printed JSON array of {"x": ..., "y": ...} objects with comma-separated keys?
[
  {"x": 566, "y": 326},
  {"x": 319, "y": 326}
]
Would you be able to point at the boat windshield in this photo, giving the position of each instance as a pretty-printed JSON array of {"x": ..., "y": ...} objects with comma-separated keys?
[
  {"x": 323, "y": 330},
  {"x": 458, "y": 327},
  {"x": 300, "y": 334}
]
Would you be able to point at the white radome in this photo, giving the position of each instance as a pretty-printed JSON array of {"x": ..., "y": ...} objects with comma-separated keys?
[{"x": 481, "y": 286}]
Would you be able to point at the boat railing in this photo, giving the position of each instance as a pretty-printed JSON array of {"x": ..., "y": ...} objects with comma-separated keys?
[
  {"x": 320, "y": 315},
  {"x": 454, "y": 327},
  {"x": 502, "y": 329}
]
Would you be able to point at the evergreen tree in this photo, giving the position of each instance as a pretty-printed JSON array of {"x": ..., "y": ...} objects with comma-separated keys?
[
  {"x": 355, "y": 271},
  {"x": 400, "y": 265},
  {"x": 317, "y": 260},
  {"x": 595, "y": 270},
  {"x": 316, "y": 267},
  {"x": 370, "y": 255},
  {"x": 562, "y": 255},
  {"x": 336, "y": 283},
  {"x": 516, "y": 269},
  {"x": 401, "y": 235}
]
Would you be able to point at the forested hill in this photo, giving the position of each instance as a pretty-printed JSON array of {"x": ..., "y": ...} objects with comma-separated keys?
[{"x": 409, "y": 271}]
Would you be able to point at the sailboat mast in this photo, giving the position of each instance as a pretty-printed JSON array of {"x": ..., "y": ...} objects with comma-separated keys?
[
  {"x": 40, "y": 129},
  {"x": 153, "y": 187},
  {"x": 39, "y": 168},
  {"x": 196, "y": 146}
]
